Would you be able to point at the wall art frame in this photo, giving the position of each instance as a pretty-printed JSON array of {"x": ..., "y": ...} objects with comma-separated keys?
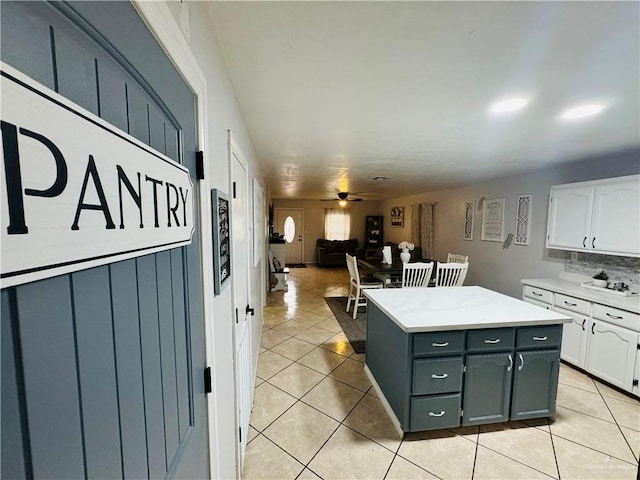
[
  {"x": 524, "y": 207},
  {"x": 221, "y": 228},
  {"x": 469, "y": 219},
  {"x": 259, "y": 231},
  {"x": 397, "y": 216},
  {"x": 493, "y": 220}
]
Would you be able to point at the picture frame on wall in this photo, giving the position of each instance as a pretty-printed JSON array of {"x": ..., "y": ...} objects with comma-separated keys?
[
  {"x": 258, "y": 229},
  {"x": 221, "y": 227},
  {"x": 397, "y": 216},
  {"x": 469, "y": 216},
  {"x": 493, "y": 220},
  {"x": 523, "y": 219}
]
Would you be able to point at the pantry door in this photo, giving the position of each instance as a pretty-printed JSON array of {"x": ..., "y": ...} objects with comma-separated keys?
[{"x": 102, "y": 369}]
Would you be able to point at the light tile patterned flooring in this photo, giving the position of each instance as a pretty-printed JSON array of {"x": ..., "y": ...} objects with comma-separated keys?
[{"x": 315, "y": 414}]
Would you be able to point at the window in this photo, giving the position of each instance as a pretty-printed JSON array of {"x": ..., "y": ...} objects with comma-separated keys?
[
  {"x": 289, "y": 229},
  {"x": 337, "y": 224}
]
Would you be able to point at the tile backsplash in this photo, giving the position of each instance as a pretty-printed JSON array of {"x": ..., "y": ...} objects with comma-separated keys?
[{"x": 619, "y": 269}]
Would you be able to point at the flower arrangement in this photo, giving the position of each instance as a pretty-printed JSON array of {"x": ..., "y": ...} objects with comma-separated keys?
[
  {"x": 601, "y": 275},
  {"x": 406, "y": 245}
]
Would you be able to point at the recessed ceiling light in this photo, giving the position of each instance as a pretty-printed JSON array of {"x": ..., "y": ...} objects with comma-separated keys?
[
  {"x": 583, "y": 111},
  {"x": 509, "y": 105}
]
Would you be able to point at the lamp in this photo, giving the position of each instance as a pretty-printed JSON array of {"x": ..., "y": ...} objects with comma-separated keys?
[{"x": 342, "y": 203}]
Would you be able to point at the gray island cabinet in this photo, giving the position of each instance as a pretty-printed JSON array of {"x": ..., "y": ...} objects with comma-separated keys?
[{"x": 445, "y": 357}]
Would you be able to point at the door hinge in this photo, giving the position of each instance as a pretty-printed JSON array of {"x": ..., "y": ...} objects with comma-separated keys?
[
  {"x": 200, "y": 165},
  {"x": 639, "y": 346},
  {"x": 240, "y": 434},
  {"x": 207, "y": 380},
  {"x": 234, "y": 189},
  {"x": 236, "y": 315},
  {"x": 635, "y": 382}
]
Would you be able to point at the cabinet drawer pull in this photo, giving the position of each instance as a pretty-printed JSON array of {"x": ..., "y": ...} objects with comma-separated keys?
[
  {"x": 570, "y": 304},
  {"x": 540, "y": 339},
  {"x": 444, "y": 375},
  {"x": 497, "y": 340},
  {"x": 510, "y": 364},
  {"x": 521, "y": 361},
  {"x": 593, "y": 242},
  {"x": 584, "y": 320},
  {"x": 536, "y": 293},
  {"x": 614, "y": 316},
  {"x": 432, "y": 414},
  {"x": 593, "y": 325},
  {"x": 584, "y": 242},
  {"x": 435, "y": 344}
]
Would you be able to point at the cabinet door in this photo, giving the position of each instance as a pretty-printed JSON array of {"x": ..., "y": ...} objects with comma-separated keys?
[
  {"x": 574, "y": 337},
  {"x": 616, "y": 217},
  {"x": 612, "y": 353},
  {"x": 570, "y": 217},
  {"x": 535, "y": 384},
  {"x": 487, "y": 388}
]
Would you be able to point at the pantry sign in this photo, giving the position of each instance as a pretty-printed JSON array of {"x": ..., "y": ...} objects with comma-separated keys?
[{"x": 76, "y": 191}]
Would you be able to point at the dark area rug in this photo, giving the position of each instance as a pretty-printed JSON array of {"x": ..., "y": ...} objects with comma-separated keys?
[
  {"x": 355, "y": 330},
  {"x": 296, "y": 265}
]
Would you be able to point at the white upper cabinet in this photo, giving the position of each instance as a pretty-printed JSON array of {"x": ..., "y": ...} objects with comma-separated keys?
[{"x": 601, "y": 216}]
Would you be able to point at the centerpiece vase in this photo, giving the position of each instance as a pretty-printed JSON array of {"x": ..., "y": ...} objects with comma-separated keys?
[{"x": 405, "y": 255}]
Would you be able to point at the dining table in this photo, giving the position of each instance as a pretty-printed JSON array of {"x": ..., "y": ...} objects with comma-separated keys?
[{"x": 390, "y": 272}]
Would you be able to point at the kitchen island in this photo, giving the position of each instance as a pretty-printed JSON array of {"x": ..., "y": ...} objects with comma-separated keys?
[{"x": 445, "y": 357}]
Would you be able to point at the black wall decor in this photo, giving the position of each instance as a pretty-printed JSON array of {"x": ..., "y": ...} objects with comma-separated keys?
[{"x": 221, "y": 226}]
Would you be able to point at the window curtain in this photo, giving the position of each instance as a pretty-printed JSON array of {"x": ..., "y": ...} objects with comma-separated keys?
[
  {"x": 422, "y": 228},
  {"x": 337, "y": 223}
]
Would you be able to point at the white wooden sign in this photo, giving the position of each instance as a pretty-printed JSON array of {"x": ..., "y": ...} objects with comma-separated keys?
[{"x": 76, "y": 191}]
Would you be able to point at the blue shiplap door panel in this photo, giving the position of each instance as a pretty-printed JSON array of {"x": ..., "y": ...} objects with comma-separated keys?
[
  {"x": 13, "y": 461},
  {"x": 102, "y": 368},
  {"x": 128, "y": 354},
  {"x": 47, "y": 333}
]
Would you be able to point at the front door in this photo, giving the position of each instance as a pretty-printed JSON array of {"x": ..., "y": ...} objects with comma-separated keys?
[
  {"x": 102, "y": 369},
  {"x": 289, "y": 221}
]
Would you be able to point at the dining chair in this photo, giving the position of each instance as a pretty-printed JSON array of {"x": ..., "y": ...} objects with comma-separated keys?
[
  {"x": 416, "y": 274},
  {"x": 454, "y": 258},
  {"x": 357, "y": 284},
  {"x": 451, "y": 274}
]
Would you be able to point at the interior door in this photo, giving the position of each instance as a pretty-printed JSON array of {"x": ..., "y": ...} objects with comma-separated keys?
[
  {"x": 242, "y": 333},
  {"x": 102, "y": 369},
  {"x": 294, "y": 244}
]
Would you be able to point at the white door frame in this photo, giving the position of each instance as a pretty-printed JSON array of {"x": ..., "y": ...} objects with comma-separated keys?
[
  {"x": 301, "y": 226},
  {"x": 163, "y": 26}
]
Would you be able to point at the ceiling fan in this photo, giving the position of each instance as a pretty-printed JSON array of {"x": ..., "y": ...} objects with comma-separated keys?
[{"x": 343, "y": 199}]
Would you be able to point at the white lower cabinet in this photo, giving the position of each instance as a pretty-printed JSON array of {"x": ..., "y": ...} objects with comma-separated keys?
[
  {"x": 574, "y": 337},
  {"x": 602, "y": 340},
  {"x": 612, "y": 353}
]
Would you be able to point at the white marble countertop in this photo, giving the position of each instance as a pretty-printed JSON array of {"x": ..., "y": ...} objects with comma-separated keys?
[
  {"x": 458, "y": 308},
  {"x": 574, "y": 289}
]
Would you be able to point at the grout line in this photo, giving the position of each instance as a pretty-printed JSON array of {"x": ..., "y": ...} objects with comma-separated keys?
[{"x": 553, "y": 446}]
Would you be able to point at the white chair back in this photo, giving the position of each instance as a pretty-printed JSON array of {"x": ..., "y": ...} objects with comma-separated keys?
[
  {"x": 451, "y": 274},
  {"x": 454, "y": 258},
  {"x": 352, "y": 266},
  {"x": 416, "y": 274}
]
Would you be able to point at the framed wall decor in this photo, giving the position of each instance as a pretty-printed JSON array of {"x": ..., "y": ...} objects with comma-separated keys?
[
  {"x": 259, "y": 231},
  {"x": 469, "y": 214},
  {"x": 221, "y": 227},
  {"x": 493, "y": 220},
  {"x": 397, "y": 217},
  {"x": 523, "y": 220}
]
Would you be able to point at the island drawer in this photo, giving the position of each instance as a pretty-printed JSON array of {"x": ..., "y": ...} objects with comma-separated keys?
[
  {"x": 572, "y": 303},
  {"x": 545, "y": 336},
  {"x": 429, "y": 413},
  {"x": 438, "y": 343},
  {"x": 621, "y": 318},
  {"x": 437, "y": 375},
  {"x": 490, "y": 339},
  {"x": 538, "y": 294}
]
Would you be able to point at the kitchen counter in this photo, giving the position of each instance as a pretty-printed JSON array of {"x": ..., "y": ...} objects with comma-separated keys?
[
  {"x": 458, "y": 308},
  {"x": 567, "y": 287}
]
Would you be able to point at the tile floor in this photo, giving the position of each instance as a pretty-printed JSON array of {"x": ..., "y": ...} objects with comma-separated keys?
[{"x": 315, "y": 414}]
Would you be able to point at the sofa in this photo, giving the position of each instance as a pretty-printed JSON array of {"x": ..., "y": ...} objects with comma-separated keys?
[
  {"x": 330, "y": 253},
  {"x": 369, "y": 254}
]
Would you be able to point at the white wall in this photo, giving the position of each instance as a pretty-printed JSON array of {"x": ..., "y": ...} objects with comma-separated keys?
[
  {"x": 490, "y": 265},
  {"x": 223, "y": 115}
]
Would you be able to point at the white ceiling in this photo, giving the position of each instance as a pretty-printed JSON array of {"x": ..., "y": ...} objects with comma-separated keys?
[{"x": 336, "y": 93}]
